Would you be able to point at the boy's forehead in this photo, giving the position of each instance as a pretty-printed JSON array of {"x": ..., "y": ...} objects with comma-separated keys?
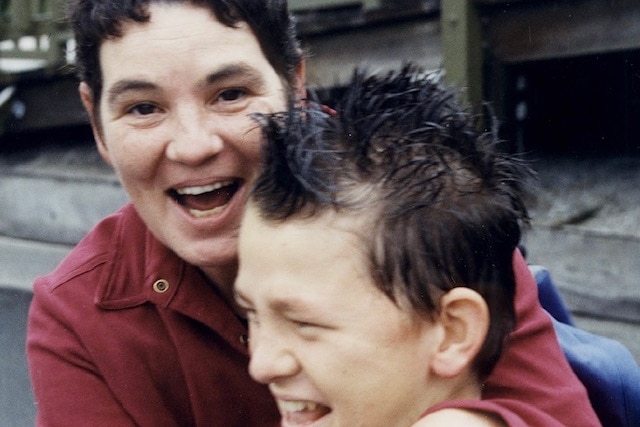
[
  {"x": 317, "y": 249},
  {"x": 327, "y": 235},
  {"x": 313, "y": 267}
]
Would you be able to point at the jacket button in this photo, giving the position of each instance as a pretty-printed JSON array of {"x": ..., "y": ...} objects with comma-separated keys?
[{"x": 161, "y": 286}]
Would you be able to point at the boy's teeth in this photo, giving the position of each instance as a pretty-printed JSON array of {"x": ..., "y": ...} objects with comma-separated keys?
[
  {"x": 301, "y": 412},
  {"x": 297, "y": 406}
]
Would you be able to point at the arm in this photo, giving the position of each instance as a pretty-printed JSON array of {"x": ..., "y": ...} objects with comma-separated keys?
[{"x": 68, "y": 388}]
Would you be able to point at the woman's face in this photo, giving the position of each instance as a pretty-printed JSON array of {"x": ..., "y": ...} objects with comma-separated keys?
[{"x": 174, "y": 122}]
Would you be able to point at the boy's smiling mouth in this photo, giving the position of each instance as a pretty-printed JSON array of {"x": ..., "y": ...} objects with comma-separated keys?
[
  {"x": 301, "y": 412},
  {"x": 206, "y": 200}
]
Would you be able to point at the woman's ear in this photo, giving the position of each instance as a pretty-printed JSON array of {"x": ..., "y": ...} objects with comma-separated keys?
[
  {"x": 464, "y": 321},
  {"x": 86, "y": 96}
]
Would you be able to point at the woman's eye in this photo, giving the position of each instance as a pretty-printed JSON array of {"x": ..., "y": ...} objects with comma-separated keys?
[
  {"x": 231, "y": 95},
  {"x": 143, "y": 109}
]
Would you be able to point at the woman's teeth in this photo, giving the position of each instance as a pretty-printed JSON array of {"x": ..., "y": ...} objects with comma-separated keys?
[
  {"x": 202, "y": 214},
  {"x": 206, "y": 200},
  {"x": 195, "y": 191}
]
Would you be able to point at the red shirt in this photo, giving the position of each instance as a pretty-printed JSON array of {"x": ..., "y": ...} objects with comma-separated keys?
[{"x": 125, "y": 333}]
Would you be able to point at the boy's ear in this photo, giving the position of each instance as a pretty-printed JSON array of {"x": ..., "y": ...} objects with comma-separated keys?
[
  {"x": 464, "y": 321},
  {"x": 86, "y": 96}
]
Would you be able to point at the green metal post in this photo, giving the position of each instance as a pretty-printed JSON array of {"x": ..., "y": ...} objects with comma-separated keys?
[
  {"x": 462, "y": 48},
  {"x": 20, "y": 16}
]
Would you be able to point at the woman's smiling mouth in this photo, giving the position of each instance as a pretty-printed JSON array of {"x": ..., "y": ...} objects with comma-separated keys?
[{"x": 206, "y": 200}]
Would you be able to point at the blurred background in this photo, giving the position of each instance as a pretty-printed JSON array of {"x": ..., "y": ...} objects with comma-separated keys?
[{"x": 561, "y": 76}]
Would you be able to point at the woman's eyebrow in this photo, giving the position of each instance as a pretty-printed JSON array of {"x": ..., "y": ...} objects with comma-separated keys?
[
  {"x": 123, "y": 86},
  {"x": 238, "y": 70}
]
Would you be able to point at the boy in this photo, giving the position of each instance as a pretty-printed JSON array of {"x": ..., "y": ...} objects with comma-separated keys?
[{"x": 376, "y": 259}]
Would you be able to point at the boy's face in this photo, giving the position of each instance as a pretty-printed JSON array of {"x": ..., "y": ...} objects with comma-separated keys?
[
  {"x": 175, "y": 124},
  {"x": 334, "y": 350}
]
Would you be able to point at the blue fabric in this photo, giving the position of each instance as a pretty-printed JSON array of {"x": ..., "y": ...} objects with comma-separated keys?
[
  {"x": 607, "y": 369},
  {"x": 549, "y": 295}
]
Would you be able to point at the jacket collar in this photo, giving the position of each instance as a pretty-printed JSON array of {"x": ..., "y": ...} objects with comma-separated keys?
[{"x": 132, "y": 276}]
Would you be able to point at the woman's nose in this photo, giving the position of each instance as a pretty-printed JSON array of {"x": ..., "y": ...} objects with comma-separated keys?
[{"x": 195, "y": 138}]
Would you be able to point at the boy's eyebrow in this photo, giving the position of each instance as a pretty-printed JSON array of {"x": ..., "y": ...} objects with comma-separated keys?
[
  {"x": 278, "y": 304},
  {"x": 291, "y": 305}
]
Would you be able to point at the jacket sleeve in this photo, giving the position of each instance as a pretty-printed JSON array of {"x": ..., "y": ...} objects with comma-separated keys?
[
  {"x": 68, "y": 387},
  {"x": 533, "y": 379}
]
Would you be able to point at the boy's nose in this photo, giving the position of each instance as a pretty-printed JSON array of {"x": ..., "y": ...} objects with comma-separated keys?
[{"x": 270, "y": 361}]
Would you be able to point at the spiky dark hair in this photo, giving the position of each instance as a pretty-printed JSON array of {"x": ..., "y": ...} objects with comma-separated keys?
[{"x": 446, "y": 206}]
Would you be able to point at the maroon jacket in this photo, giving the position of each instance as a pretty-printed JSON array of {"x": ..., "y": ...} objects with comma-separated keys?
[
  {"x": 125, "y": 333},
  {"x": 532, "y": 383},
  {"x": 108, "y": 346}
]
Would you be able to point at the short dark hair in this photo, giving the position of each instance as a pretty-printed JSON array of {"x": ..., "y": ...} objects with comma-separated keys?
[
  {"x": 446, "y": 206},
  {"x": 94, "y": 21}
]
